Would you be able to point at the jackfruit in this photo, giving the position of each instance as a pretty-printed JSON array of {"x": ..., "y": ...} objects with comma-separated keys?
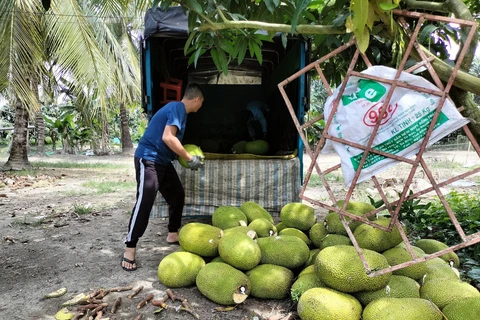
[
  {"x": 286, "y": 251},
  {"x": 179, "y": 269},
  {"x": 243, "y": 229},
  {"x": 263, "y": 227},
  {"x": 193, "y": 150},
  {"x": 307, "y": 270},
  {"x": 438, "y": 269},
  {"x": 333, "y": 239},
  {"x": 326, "y": 303},
  {"x": 297, "y": 233},
  {"x": 225, "y": 217},
  {"x": 445, "y": 291},
  {"x": 464, "y": 309},
  {"x": 253, "y": 211},
  {"x": 223, "y": 284},
  {"x": 239, "y": 147},
  {"x": 200, "y": 238},
  {"x": 401, "y": 309},
  {"x": 373, "y": 238},
  {"x": 312, "y": 257},
  {"x": 280, "y": 226},
  {"x": 298, "y": 215},
  {"x": 397, "y": 287},
  {"x": 268, "y": 281},
  {"x": 432, "y": 246},
  {"x": 399, "y": 254},
  {"x": 316, "y": 233},
  {"x": 239, "y": 250},
  {"x": 341, "y": 268},
  {"x": 333, "y": 222},
  {"x": 259, "y": 147},
  {"x": 303, "y": 283}
]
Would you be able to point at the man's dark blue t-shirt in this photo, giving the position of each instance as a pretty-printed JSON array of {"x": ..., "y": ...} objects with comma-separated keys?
[{"x": 151, "y": 146}]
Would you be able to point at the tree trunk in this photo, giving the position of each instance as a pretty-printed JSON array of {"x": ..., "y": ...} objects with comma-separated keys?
[
  {"x": 127, "y": 145},
  {"x": 471, "y": 110},
  {"x": 39, "y": 123},
  {"x": 18, "y": 158},
  {"x": 40, "y": 126}
]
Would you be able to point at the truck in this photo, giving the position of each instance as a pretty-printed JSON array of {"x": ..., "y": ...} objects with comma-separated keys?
[{"x": 229, "y": 179}]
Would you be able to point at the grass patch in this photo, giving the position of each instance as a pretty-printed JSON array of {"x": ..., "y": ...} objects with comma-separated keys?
[
  {"x": 109, "y": 186},
  {"x": 81, "y": 209},
  {"x": 79, "y": 165},
  {"x": 36, "y": 222},
  {"x": 315, "y": 180}
]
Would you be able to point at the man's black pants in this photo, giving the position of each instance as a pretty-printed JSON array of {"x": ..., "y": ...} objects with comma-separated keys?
[{"x": 152, "y": 178}]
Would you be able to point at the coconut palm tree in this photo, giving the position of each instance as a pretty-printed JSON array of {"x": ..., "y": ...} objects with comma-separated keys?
[{"x": 78, "y": 38}]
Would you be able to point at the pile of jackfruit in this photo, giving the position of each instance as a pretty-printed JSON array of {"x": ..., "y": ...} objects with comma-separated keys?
[{"x": 243, "y": 253}]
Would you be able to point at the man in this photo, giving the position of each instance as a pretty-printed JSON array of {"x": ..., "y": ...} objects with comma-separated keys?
[
  {"x": 256, "y": 123},
  {"x": 158, "y": 147}
]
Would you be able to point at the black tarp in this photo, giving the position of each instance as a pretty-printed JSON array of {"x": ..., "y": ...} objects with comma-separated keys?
[{"x": 172, "y": 21}]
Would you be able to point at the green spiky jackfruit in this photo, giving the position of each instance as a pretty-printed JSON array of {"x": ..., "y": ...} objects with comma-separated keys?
[
  {"x": 286, "y": 251},
  {"x": 225, "y": 217},
  {"x": 326, "y": 303},
  {"x": 438, "y": 268},
  {"x": 432, "y": 246},
  {"x": 239, "y": 250},
  {"x": 179, "y": 269},
  {"x": 307, "y": 270},
  {"x": 297, "y": 233},
  {"x": 341, "y": 268},
  {"x": 243, "y": 229},
  {"x": 373, "y": 238},
  {"x": 303, "y": 283},
  {"x": 312, "y": 257},
  {"x": 400, "y": 254},
  {"x": 316, "y": 233},
  {"x": 193, "y": 150},
  {"x": 333, "y": 239},
  {"x": 280, "y": 226},
  {"x": 445, "y": 291},
  {"x": 259, "y": 147},
  {"x": 239, "y": 147},
  {"x": 397, "y": 287},
  {"x": 200, "y": 238},
  {"x": 401, "y": 309},
  {"x": 253, "y": 211},
  {"x": 298, "y": 215},
  {"x": 333, "y": 222},
  {"x": 223, "y": 284},
  {"x": 464, "y": 309},
  {"x": 263, "y": 227},
  {"x": 270, "y": 281}
]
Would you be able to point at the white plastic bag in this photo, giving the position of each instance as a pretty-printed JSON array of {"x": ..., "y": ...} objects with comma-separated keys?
[{"x": 402, "y": 129}]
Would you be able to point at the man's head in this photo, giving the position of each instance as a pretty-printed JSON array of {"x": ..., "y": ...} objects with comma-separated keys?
[{"x": 193, "y": 97}]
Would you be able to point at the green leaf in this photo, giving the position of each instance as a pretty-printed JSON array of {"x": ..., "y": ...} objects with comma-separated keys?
[
  {"x": 187, "y": 44},
  {"x": 192, "y": 20},
  {"x": 197, "y": 55},
  {"x": 242, "y": 49},
  {"x": 360, "y": 14},
  {"x": 270, "y": 5},
  {"x": 426, "y": 33},
  {"x": 195, "y": 6},
  {"x": 363, "y": 39},
  {"x": 216, "y": 61},
  {"x": 300, "y": 7},
  {"x": 387, "y": 6},
  {"x": 284, "y": 39}
]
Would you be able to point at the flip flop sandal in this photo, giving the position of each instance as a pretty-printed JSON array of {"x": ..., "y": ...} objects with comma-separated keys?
[{"x": 128, "y": 261}]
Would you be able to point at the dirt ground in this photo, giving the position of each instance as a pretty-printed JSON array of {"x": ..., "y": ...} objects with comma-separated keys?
[{"x": 46, "y": 244}]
